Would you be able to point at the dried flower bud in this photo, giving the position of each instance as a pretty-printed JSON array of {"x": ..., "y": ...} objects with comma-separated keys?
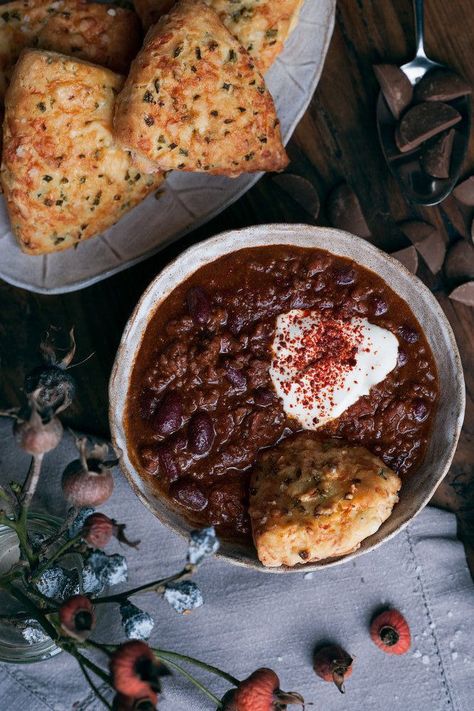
[
  {"x": 88, "y": 481},
  {"x": 261, "y": 690},
  {"x": 390, "y": 632},
  {"x": 77, "y": 617},
  {"x": 37, "y": 437},
  {"x": 332, "y": 663},
  {"x": 99, "y": 529},
  {"x": 135, "y": 670},
  {"x": 53, "y": 386}
]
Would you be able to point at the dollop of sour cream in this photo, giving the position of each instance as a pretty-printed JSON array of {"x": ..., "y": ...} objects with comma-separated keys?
[{"x": 321, "y": 366}]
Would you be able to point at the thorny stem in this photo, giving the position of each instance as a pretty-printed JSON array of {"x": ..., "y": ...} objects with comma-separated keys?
[
  {"x": 90, "y": 665},
  {"x": 19, "y": 526},
  {"x": 165, "y": 654},
  {"x": 155, "y": 586},
  {"x": 33, "y": 609},
  {"x": 194, "y": 681},
  {"x": 46, "y": 545},
  {"x": 94, "y": 688},
  {"x": 31, "y": 483}
]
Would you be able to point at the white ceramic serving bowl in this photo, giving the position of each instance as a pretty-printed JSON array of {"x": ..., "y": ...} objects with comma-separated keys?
[{"x": 418, "y": 489}]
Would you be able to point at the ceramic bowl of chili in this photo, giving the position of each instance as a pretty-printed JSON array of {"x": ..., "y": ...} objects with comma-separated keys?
[{"x": 227, "y": 290}]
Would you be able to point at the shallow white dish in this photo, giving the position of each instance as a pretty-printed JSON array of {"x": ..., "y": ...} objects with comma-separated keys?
[
  {"x": 186, "y": 200},
  {"x": 418, "y": 489}
]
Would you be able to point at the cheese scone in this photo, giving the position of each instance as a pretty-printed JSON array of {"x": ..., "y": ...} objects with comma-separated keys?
[
  {"x": 64, "y": 177},
  {"x": 99, "y": 33},
  {"x": 313, "y": 498},
  {"x": 261, "y": 26},
  {"x": 194, "y": 100}
]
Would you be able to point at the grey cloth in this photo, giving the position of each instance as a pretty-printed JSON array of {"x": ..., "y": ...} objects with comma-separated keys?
[{"x": 251, "y": 619}]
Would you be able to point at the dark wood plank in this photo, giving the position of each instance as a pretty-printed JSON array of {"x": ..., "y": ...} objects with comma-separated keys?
[{"x": 335, "y": 141}]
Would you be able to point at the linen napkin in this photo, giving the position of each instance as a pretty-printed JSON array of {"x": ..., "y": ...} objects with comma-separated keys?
[{"x": 251, "y": 619}]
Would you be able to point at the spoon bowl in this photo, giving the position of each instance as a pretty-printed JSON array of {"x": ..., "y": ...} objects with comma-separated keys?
[{"x": 419, "y": 187}]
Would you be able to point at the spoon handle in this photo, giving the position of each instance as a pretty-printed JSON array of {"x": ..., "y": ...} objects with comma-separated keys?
[{"x": 418, "y": 7}]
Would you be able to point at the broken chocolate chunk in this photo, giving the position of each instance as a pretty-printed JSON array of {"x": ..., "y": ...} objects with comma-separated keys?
[
  {"x": 464, "y": 192},
  {"x": 436, "y": 157},
  {"x": 441, "y": 85},
  {"x": 459, "y": 265},
  {"x": 395, "y": 86},
  {"x": 424, "y": 121},
  {"x": 345, "y": 212},
  {"x": 408, "y": 257},
  {"x": 428, "y": 241},
  {"x": 464, "y": 294}
]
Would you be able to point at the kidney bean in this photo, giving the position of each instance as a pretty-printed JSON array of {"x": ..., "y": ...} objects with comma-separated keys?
[
  {"x": 199, "y": 306},
  {"x": 380, "y": 306},
  {"x": 236, "y": 377},
  {"x": 408, "y": 334},
  {"x": 263, "y": 397},
  {"x": 345, "y": 276},
  {"x": 402, "y": 358},
  {"x": 169, "y": 415},
  {"x": 420, "y": 410},
  {"x": 201, "y": 433},
  {"x": 189, "y": 495},
  {"x": 318, "y": 264},
  {"x": 149, "y": 459},
  {"x": 168, "y": 465}
]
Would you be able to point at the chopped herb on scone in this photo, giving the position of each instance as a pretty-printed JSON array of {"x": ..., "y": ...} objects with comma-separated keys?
[
  {"x": 195, "y": 101},
  {"x": 312, "y": 498},
  {"x": 106, "y": 35},
  {"x": 261, "y": 26},
  {"x": 64, "y": 177}
]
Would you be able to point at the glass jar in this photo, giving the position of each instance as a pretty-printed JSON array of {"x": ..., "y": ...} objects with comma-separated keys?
[{"x": 21, "y": 642}]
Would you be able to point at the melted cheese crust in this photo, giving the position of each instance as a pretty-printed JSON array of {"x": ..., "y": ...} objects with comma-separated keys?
[
  {"x": 261, "y": 26},
  {"x": 87, "y": 31},
  {"x": 194, "y": 100},
  {"x": 65, "y": 179},
  {"x": 313, "y": 498}
]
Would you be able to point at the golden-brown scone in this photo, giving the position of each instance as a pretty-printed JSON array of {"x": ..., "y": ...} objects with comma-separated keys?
[
  {"x": 261, "y": 26},
  {"x": 194, "y": 100},
  {"x": 64, "y": 177},
  {"x": 98, "y": 33},
  {"x": 313, "y": 498}
]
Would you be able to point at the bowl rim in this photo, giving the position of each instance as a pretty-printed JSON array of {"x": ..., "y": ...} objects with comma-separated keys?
[{"x": 268, "y": 235}]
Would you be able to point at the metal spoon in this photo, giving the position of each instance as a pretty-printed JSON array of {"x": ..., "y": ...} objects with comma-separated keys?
[{"x": 418, "y": 186}]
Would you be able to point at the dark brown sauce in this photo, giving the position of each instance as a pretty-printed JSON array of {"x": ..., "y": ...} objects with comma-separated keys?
[{"x": 201, "y": 401}]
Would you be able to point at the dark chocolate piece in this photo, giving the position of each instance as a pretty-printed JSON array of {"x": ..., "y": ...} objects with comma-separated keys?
[
  {"x": 436, "y": 157},
  {"x": 428, "y": 241},
  {"x": 424, "y": 121},
  {"x": 345, "y": 212},
  {"x": 395, "y": 86},
  {"x": 301, "y": 190},
  {"x": 459, "y": 265},
  {"x": 464, "y": 294},
  {"x": 441, "y": 85},
  {"x": 464, "y": 192},
  {"x": 408, "y": 257}
]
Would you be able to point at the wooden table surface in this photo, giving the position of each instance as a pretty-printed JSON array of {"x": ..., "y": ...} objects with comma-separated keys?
[{"x": 335, "y": 141}]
